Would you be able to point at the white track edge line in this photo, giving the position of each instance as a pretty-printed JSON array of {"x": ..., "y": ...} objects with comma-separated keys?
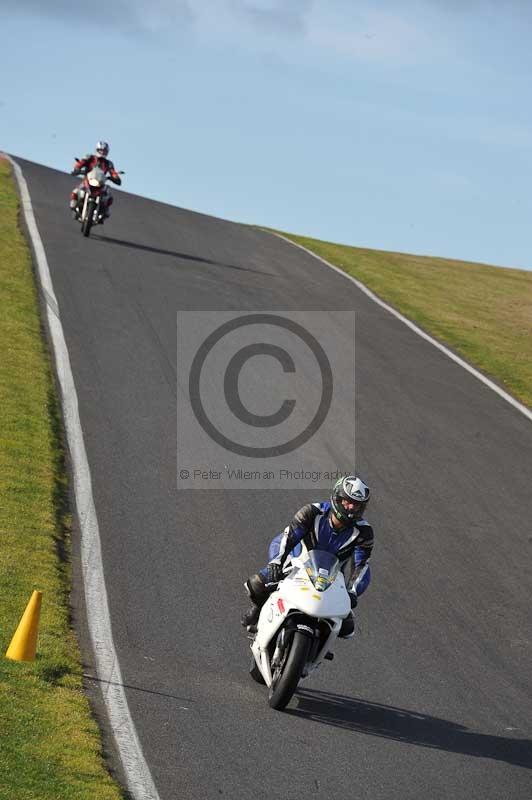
[
  {"x": 493, "y": 386},
  {"x": 139, "y": 780}
]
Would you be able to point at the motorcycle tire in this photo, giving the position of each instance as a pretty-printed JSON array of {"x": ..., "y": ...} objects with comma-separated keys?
[
  {"x": 86, "y": 225},
  {"x": 255, "y": 672},
  {"x": 287, "y": 677}
]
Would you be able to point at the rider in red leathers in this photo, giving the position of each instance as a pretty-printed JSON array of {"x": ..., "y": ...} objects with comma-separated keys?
[{"x": 83, "y": 165}]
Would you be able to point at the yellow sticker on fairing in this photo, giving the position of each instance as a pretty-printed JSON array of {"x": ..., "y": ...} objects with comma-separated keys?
[{"x": 316, "y": 597}]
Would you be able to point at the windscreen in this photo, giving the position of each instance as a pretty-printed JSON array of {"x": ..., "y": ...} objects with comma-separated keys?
[{"x": 322, "y": 568}]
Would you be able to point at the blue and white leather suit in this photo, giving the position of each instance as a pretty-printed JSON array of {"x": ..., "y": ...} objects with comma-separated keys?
[{"x": 352, "y": 545}]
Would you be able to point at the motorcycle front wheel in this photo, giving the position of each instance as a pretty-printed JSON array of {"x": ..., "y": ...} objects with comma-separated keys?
[
  {"x": 287, "y": 675},
  {"x": 86, "y": 225}
]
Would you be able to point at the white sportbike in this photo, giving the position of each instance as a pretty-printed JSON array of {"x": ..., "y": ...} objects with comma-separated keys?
[{"x": 299, "y": 624}]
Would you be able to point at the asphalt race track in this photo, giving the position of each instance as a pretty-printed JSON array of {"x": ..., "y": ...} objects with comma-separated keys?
[{"x": 433, "y": 697}]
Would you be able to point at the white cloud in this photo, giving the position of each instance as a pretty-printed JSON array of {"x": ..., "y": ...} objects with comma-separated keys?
[
  {"x": 345, "y": 28},
  {"x": 410, "y": 32}
]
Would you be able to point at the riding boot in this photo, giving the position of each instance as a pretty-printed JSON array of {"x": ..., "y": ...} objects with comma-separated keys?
[{"x": 347, "y": 631}]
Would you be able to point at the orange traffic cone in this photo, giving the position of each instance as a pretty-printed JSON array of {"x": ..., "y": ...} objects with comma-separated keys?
[{"x": 24, "y": 642}]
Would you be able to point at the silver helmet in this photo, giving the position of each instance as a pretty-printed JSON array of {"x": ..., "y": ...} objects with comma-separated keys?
[{"x": 353, "y": 489}]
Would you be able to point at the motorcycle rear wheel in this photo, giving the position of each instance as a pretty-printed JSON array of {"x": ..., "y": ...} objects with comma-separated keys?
[
  {"x": 86, "y": 225},
  {"x": 287, "y": 677}
]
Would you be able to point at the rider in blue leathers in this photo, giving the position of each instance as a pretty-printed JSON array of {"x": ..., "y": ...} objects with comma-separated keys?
[{"x": 337, "y": 526}]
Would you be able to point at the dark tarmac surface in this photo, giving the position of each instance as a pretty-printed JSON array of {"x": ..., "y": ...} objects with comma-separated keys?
[{"x": 433, "y": 697}]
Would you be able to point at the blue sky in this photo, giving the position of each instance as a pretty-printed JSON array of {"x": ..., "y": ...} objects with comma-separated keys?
[{"x": 401, "y": 125}]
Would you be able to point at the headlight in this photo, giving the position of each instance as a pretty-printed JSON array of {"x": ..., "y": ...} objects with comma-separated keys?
[
  {"x": 93, "y": 182},
  {"x": 321, "y": 582}
]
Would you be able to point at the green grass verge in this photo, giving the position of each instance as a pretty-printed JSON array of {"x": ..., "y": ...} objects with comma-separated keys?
[
  {"x": 49, "y": 743},
  {"x": 483, "y": 313}
]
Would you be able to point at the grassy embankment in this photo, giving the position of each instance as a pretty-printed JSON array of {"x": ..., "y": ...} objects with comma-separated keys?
[
  {"x": 49, "y": 743},
  {"x": 483, "y": 313}
]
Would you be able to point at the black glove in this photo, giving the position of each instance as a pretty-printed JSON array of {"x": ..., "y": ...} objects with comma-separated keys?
[{"x": 275, "y": 573}]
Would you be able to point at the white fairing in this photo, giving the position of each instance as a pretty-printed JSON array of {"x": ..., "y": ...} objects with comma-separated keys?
[
  {"x": 96, "y": 177},
  {"x": 297, "y": 593}
]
